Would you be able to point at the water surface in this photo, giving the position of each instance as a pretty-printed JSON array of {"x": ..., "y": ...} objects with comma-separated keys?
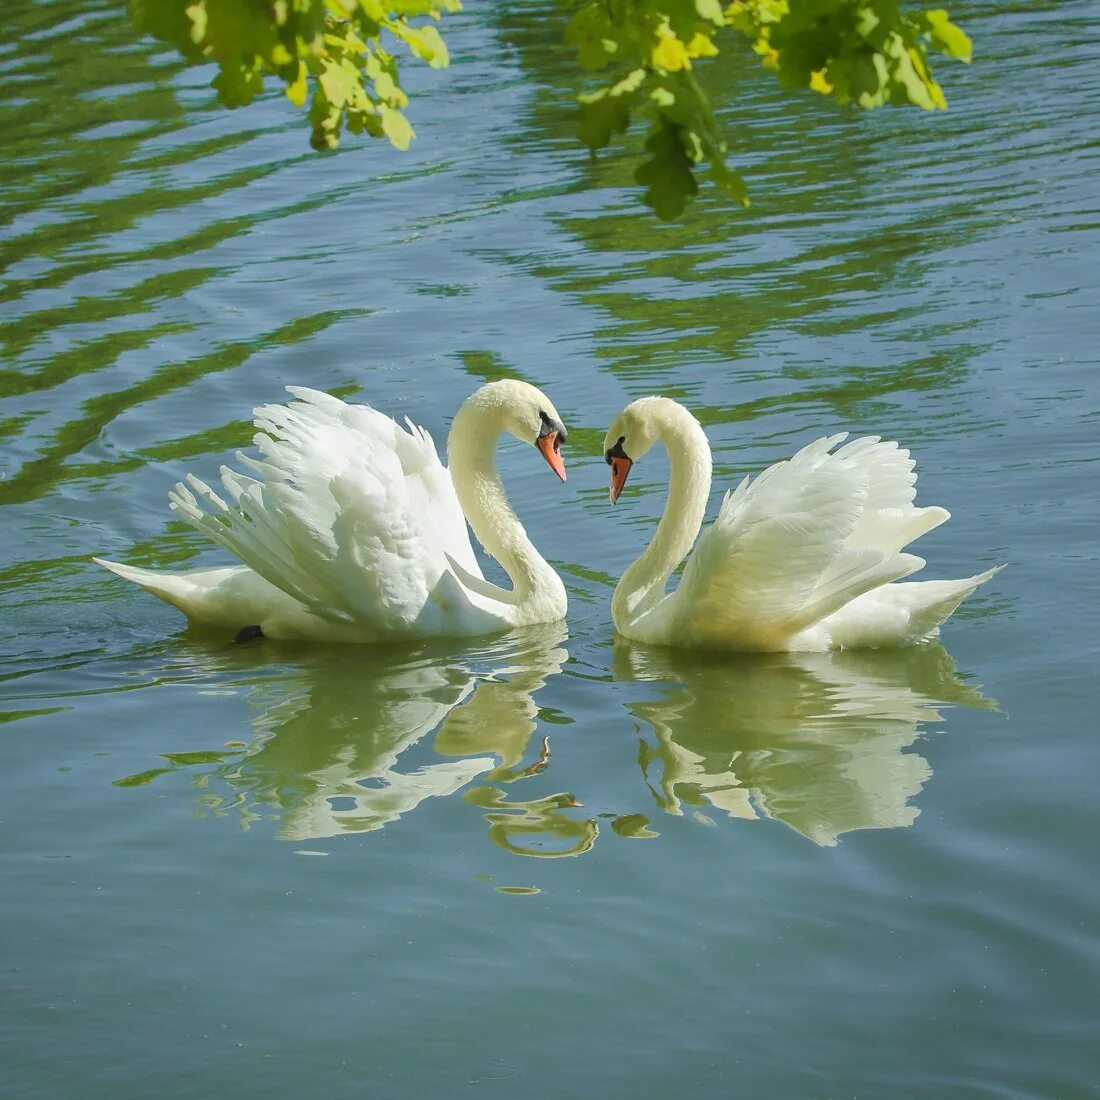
[{"x": 549, "y": 864}]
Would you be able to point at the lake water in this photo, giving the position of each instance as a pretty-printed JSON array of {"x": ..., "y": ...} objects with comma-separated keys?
[{"x": 548, "y": 865}]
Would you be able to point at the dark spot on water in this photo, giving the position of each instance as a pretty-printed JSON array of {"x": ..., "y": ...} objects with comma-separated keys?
[{"x": 248, "y": 634}]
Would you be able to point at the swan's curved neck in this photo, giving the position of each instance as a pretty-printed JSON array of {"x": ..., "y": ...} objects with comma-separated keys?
[
  {"x": 643, "y": 583},
  {"x": 471, "y": 455}
]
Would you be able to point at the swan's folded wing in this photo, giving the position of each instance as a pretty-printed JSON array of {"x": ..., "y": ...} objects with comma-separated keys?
[
  {"x": 350, "y": 513},
  {"x": 777, "y": 557}
]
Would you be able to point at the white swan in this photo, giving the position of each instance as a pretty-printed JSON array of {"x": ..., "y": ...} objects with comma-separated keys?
[
  {"x": 801, "y": 559},
  {"x": 357, "y": 533}
]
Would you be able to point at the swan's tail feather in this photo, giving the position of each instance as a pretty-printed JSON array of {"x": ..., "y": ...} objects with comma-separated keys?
[
  {"x": 173, "y": 588},
  {"x": 901, "y": 614},
  {"x": 931, "y": 603},
  {"x": 266, "y": 552},
  {"x": 853, "y": 574}
]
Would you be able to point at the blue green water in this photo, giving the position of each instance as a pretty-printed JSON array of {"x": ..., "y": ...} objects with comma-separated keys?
[{"x": 547, "y": 865}]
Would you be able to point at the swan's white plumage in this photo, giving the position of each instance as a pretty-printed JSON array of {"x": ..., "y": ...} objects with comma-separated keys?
[
  {"x": 352, "y": 529},
  {"x": 352, "y": 517},
  {"x": 803, "y": 557}
]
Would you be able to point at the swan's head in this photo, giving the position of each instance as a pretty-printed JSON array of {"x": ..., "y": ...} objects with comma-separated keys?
[
  {"x": 632, "y": 434},
  {"x": 527, "y": 413}
]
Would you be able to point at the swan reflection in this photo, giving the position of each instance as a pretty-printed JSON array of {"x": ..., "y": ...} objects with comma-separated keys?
[
  {"x": 815, "y": 740},
  {"x": 334, "y": 749},
  {"x": 347, "y": 742},
  {"x": 548, "y": 831}
]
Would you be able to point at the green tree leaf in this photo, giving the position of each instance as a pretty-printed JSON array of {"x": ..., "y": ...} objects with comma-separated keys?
[
  {"x": 667, "y": 174},
  {"x": 337, "y": 57},
  {"x": 336, "y": 49}
]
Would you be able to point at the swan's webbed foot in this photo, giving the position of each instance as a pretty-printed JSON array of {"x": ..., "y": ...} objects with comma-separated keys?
[{"x": 248, "y": 634}]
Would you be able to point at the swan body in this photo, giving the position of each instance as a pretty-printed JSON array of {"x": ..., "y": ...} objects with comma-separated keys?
[
  {"x": 353, "y": 530},
  {"x": 805, "y": 558}
]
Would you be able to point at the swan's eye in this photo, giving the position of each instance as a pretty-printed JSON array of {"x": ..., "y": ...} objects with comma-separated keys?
[
  {"x": 553, "y": 427},
  {"x": 616, "y": 451}
]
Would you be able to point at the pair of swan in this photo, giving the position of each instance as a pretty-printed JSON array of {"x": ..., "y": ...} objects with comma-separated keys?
[{"x": 354, "y": 531}]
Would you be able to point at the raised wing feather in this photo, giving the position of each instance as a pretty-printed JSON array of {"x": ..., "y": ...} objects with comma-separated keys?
[
  {"x": 805, "y": 537},
  {"x": 757, "y": 564},
  {"x": 887, "y": 523},
  {"x": 889, "y": 520},
  {"x": 350, "y": 513}
]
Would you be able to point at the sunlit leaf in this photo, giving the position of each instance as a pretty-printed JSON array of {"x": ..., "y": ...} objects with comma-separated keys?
[
  {"x": 332, "y": 48},
  {"x": 952, "y": 40},
  {"x": 396, "y": 127},
  {"x": 335, "y": 59},
  {"x": 670, "y": 54}
]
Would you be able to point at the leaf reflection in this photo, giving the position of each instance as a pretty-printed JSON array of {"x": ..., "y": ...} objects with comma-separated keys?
[{"x": 813, "y": 740}]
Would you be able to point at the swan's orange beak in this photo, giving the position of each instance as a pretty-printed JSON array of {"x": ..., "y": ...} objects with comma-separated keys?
[
  {"x": 620, "y": 471},
  {"x": 550, "y": 445}
]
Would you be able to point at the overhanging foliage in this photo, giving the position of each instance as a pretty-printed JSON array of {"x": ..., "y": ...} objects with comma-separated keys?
[{"x": 342, "y": 57}]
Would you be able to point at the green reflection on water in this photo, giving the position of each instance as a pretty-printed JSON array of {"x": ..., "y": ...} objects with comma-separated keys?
[{"x": 53, "y": 466}]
